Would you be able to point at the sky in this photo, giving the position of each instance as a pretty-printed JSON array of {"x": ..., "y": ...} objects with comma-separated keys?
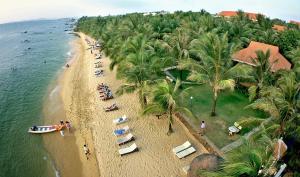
[{"x": 19, "y": 10}]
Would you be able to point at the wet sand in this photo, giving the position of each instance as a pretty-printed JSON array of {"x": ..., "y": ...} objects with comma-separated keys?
[{"x": 66, "y": 101}]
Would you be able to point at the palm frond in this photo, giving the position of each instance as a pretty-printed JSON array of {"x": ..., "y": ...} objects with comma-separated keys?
[
  {"x": 252, "y": 92},
  {"x": 224, "y": 84},
  {"x": 126, "y": 88},
  {"x": 265, "y": 105}
]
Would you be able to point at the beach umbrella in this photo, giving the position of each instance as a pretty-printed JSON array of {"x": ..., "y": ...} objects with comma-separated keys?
[{"x": 207, "y": 162}]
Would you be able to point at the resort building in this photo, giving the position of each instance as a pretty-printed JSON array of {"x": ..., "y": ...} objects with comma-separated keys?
[
  {"x": 279, "y": 27},
  {"x": 295, "y": 22},
  {"x": 247, "y": 55},
  {"x": 228, "y": 14}
]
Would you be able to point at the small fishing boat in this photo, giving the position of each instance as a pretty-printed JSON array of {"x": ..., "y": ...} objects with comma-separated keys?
[{"x": 42, "y": 129}]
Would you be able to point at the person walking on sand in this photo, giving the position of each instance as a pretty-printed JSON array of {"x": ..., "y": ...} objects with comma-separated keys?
[
  {"x": 202, "y": 128},
  {"x": 86, "y": 151},
  {"x": 68, "y": 125}
]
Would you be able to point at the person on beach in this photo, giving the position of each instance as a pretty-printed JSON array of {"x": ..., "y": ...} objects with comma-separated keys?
[
  {"x": 68, "y": 125},
  {"x": 202, "y": 128},
  {"x": 86, "y": 151}
]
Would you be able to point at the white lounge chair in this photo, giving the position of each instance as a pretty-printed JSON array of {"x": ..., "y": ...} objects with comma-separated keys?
[
  {"x": 128, "y": 150},
  {"x": 121, "y": 131},
  {"x": 186, "y": 152},
  {"x": 182, "y": 147},
  {"x": 126, "y": 139},
  {"x": 120, "y": 120}
]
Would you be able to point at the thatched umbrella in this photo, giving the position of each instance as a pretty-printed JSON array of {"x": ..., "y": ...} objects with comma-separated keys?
[{"x": 208, "y": 162}]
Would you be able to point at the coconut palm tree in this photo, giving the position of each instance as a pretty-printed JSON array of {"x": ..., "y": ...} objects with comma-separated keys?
[
  {"x": 164, "y": 100},
  {"x": 253, "y": 158},
  {"x": 280, "y": 101},
  {"x": 140, "y": 67},
  {"x": 215, "y": 66},
  {"x": 295, "y": 57},
  {"x": 262, "y": 74}
]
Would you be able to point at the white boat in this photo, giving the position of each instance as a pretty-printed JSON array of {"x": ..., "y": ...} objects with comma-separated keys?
[{"x": 42, "y": 129}]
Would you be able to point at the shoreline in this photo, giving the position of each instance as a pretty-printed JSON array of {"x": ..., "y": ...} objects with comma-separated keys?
[
  {"x": 67, "y": 151},
  {"x": 74, "y": 94}
]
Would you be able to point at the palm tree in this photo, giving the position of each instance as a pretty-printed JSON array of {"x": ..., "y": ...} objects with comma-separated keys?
[
  {"x": 215, "y": 66},
  {"x": 280, "y": 101},
  {"x": 179, "y": 43},
  {"x": 165, "y": 96},
  {"x": 251, "y": 159},
  {"x": 295, "y": 57},
  {"x": 262, "y": 74},
  {"x": 140, "y": 67}
]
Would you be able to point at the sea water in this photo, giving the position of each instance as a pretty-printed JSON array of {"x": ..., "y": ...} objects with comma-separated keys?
[{"x": 31, "y": 55}]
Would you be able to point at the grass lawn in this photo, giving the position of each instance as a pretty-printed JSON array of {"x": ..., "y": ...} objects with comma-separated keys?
[
  {"x": 230, "y": 108},
  {"x": 176, "y": 74}
]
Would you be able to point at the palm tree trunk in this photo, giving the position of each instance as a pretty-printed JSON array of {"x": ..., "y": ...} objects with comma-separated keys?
[
  {"x": 170, "y": 130},
  {"x": 215, "y": 97},
  {"x": 145, "y": 100},
  {"x": 181, "y": 75}
]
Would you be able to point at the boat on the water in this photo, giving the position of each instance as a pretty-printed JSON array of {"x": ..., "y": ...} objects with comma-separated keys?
[{"x": 43, "y": 129}]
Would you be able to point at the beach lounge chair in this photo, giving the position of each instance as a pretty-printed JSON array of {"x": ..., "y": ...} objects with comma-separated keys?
[
  {"x": 236, "y": 128},
  {"x": 107, "y": 97},
  {"x": 121, "y": 131},
  {"x": 182, "y": 147},
  {"x": 111, "y": 108},
  {"x": 120, "y": 120},
  {"x": 132, "y": 148},
  {"x": 125, "y": 139},
  {"x": 186, "y": 152}
]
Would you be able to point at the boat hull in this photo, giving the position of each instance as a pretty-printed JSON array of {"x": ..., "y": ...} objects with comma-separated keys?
[{"x": 43, "y": 129}]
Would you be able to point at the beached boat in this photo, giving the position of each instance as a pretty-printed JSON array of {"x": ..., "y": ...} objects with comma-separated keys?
[{"x": 42, "y": 129}]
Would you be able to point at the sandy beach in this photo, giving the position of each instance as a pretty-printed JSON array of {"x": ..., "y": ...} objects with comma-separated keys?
[{"x": 94, "y": 126}]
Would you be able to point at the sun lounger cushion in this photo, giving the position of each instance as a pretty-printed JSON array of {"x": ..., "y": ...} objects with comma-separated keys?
[
  {"x": 121, "y": 131},
  {"x": 120, "y": 120},
  {"x": 236, "y": 124},
  {"x": 186, "y": 152},
  {"x": 127, "y": 150},
  {"x": 182, "y": 147},
  {"x": 126, "y": 139}
]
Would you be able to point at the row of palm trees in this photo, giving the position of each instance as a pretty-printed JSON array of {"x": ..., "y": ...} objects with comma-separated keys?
[{"x": 140, "y": 47}]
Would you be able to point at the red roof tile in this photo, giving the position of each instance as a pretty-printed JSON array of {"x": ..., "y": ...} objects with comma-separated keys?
[
  {"x": 276, "y": 59},
  {"x": 251, "y": 16},
  {"x": 295, "y": 22},
  {"x": 279, "y": 27}
]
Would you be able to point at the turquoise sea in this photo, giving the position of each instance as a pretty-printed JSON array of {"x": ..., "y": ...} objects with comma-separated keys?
[{"x": 31, "y": 55}]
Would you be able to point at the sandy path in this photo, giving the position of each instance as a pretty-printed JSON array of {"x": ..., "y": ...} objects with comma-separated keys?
[{"x": 155, "y": 157}]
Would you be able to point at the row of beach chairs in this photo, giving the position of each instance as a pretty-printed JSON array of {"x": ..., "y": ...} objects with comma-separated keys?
[
  {"x": 184, "y": 150},
  {"x": 105, "y": 92},
  {"x": 125, "y": 139},
  {"x": 98, "y": 64}
]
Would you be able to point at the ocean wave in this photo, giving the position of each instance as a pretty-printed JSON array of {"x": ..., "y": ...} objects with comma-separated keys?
[
  {"x": 69, "y": 54},
  {"x": 54, "y": 91}
]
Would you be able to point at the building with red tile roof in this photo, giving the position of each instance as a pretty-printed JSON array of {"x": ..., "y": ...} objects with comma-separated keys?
[
  {"x": 295, "y": 22},
  {"x": 279, "y": 27},
  {"x": 251, "y": 16},
  {"x": 248, "y": 54}
]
